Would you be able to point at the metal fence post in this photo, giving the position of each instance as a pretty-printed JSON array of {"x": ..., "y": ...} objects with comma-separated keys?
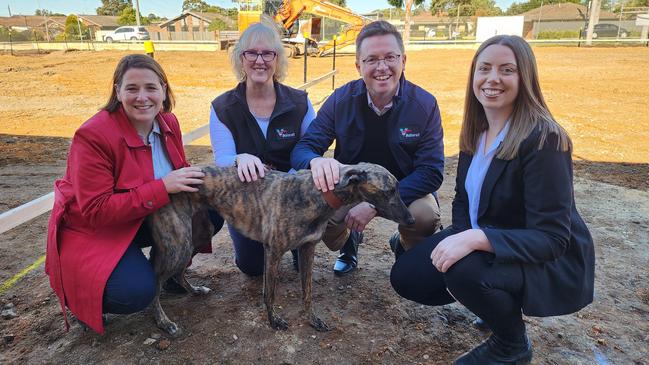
[
  {"x": 306, "y": 45},
  {"x": 333, "y": 68}
]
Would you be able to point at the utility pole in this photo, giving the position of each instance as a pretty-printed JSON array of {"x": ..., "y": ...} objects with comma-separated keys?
[
  {"x": 592, "y": 20},
  {"x": 9, "y": 8},
  {"x": 406, "y": 24},
  {"x": 137, "y": 14}
]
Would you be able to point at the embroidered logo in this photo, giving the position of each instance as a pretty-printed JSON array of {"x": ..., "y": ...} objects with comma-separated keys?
[
  {"x": 408, "y": 133},
  {"x": 283, "y": 133}
]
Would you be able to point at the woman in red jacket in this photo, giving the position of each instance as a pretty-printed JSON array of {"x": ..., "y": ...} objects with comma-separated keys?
[{"x": 122, "y": 165}]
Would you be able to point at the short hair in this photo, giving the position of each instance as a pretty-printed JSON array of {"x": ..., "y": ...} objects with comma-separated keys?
[
  {"x": 530, "y": 110},
  {"x": 379, "y": 27},
  {"x": 143, "y": 62},
  {"x": 255, "y": 32}
]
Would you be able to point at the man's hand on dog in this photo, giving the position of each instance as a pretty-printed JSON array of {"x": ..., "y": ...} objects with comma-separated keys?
[
  {"x": 183, "y": 179},
  {"x": 326, "y": 173},
  {"x": 247, "y": 167},
  {"x": 359, "y": 216}
]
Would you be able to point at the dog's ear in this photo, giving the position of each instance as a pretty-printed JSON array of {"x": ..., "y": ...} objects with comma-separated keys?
[{"x": 352, "y": 177}]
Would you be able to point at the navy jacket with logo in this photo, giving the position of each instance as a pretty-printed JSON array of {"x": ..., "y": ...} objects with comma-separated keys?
[
  {"x": 415, "y": 135},
  {"x": 283, "y": 130}
]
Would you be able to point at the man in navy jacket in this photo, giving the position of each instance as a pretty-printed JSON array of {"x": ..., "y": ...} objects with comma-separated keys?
[{"x": 383, "y": 119}]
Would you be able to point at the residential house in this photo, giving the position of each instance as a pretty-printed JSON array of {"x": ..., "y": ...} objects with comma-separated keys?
[
  {"x": 564, "y": 17},
  {"x": 34, "y": 26},
  {"x": 99, "y": 25},
  {"x": 192, "y": 26}
]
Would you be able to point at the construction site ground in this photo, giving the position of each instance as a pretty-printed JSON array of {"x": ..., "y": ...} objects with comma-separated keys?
[{"x": 599, "y": 95}]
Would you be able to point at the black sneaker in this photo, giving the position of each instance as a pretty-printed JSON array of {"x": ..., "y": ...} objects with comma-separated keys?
[{"x": 395, "y": 244}]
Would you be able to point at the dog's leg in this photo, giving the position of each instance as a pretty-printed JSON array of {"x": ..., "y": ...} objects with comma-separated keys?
[
  {"x": 172, "y": 250},
  {"x": 271, "y": 272},
  {"x": 161, "y": 318},
  {"x": 306, "y": 253},
  {"x": 194, "y": 289}
]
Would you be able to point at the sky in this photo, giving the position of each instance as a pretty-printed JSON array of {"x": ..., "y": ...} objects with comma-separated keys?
[{"x": 166, "y": 8}]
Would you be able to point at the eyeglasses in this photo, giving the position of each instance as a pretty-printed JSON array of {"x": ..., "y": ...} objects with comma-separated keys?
[
  {"x": 389, "y": 60},
  {"x": 252, "y": 56}
]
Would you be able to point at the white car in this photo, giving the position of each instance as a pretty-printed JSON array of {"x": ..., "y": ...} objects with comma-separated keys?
[{"x": 127, "y": 33}]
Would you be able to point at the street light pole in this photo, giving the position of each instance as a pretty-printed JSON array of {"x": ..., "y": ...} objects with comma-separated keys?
[{"x": 137, "y": 14}]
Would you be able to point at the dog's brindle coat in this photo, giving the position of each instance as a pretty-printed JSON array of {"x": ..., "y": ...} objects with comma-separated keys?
[{"x": 284, "y": 211}]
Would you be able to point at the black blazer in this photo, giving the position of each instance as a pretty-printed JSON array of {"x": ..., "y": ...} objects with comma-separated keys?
[{"x": 527, "y": 210}]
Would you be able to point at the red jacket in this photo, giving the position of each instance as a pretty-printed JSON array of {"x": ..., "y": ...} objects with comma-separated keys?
[{"x": 107, "y": 191}]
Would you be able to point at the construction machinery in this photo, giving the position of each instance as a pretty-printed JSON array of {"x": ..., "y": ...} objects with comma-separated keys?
[{"x": 299, "y": 33}]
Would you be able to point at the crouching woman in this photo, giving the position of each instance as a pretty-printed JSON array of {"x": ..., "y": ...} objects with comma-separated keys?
[
  {"x": 122, "y": 165},
  {"x": 517, "y": 244}
]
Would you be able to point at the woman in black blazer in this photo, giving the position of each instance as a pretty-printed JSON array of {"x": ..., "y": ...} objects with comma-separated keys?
[{"x": 517, "y": 243}]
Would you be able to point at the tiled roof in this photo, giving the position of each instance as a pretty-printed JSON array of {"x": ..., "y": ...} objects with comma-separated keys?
[{"x": 563, "y": 11}]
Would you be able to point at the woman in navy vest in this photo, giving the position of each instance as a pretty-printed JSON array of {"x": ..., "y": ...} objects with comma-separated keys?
[
  {"x": 257, "y": 124},
  {"x": 517, "y": 244}
]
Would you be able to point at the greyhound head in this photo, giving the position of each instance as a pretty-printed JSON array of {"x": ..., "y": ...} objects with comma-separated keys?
[{"x": 376, "y": 185}]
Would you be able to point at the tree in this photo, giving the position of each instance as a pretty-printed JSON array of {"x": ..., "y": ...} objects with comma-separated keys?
[
  {"x": 408, "y": 7},
  {"x": 465, "y": 7},
  {"x": 217, "y": 24},
  {"x": 72, "y": 27},
  {"x": 195, "y": 5},
  {"x": 113, "y": 7},
  {"x": 45, "y": 12},
  {"x": 128, "y": 17},
  {"x": 342, "y": 3},
  {"x": 520, "y": 8}
]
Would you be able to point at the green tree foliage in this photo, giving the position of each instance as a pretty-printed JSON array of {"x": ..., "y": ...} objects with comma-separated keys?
[
  {"x": 628, "y": 4},
  {"x": 72, "y": 27},
  {"x": 339, "y": 2},
  {"x": 466, "y": 7},
  {"x": 113, "y": 7},
  {"x": 128, "y": 17},
  {"x": 520, "y": 8},
  {"x": 399, "y": 3},
  {"x": 217, "y": 24},
  {"x": 154, "y": 18},
  {"x": 45, "y": 12}
]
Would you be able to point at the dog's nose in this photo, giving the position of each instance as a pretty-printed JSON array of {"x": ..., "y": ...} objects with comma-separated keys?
[{"x": 411, "y": 221}]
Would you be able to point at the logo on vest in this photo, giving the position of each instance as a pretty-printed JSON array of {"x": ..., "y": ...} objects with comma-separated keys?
[
  {"x": 407, "y": 133},
  {"x": 283, "y": 133}
]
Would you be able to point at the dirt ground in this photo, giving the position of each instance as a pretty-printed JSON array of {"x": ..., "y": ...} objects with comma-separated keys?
[{"x": 599, "y": 94}]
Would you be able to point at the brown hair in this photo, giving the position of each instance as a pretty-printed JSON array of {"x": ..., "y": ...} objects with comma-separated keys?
[
  {"x": 530, "y": 110},
  {"x": 379, "y": 27},
  {"x": 143, "y": 62}
]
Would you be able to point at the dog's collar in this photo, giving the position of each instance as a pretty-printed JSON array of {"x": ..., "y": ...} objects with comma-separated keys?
[{"x": 332, "y": 200}]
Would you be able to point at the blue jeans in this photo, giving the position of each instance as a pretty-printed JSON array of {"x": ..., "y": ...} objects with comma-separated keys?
[{"x": 132, "y": 284}]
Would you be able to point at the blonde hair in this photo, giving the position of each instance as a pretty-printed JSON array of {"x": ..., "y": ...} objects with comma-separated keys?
[
  {"x": 530, "y": 110},
  {"x": 256, "y": 32}
]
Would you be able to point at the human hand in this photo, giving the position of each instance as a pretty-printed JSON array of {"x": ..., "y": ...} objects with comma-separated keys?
[
  {"x": 325, "y": 172},
  {"x": 247, "y": 167},
  {"x": 455, "y": 247},
  {"x": 359, "y": 216},
  {"x": 183, "y": 179}
]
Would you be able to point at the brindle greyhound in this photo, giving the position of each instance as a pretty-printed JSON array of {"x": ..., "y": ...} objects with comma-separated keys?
[{"x": 284, "y": 211}]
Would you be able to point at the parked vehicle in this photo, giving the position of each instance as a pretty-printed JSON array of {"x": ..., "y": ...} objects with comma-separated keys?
[
  {"x": 127, "y": 33},
  {"x": 609, "y": 30}
]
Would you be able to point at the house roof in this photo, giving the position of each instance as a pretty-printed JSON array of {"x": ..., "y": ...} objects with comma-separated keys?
[
  {"x": 563, "y": 11},
  {"x": 100, "y": 20},
  {"x": 207, "y": 17},
  {"x": 30, "y": 21}
]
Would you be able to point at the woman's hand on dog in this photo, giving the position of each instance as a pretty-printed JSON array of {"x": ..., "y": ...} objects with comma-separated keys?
[
  {"x": 183, "y": 179},
  {"x": 326, "y": 173},
  {"x": 249, "y": 167}
]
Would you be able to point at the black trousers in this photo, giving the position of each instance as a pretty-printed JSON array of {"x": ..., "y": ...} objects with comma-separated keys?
[{"x": 489, "y": 290}]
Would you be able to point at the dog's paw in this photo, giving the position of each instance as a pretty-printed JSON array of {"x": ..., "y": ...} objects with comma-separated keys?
[
  {"x": 319, "y": 324},
  {"x": 172, "y": 329},
  {"x": 200, "y": 290},
  {"x": 278, "y": 323}
]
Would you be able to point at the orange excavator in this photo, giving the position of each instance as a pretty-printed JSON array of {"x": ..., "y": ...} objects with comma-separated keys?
[{"x": 287, "y": 13}]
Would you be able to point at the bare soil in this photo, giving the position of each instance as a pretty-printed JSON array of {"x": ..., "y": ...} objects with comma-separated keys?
[{"x": 599, "y": 94}]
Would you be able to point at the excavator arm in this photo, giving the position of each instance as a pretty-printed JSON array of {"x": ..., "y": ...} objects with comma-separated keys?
[{"x": 290, "y": 11}]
